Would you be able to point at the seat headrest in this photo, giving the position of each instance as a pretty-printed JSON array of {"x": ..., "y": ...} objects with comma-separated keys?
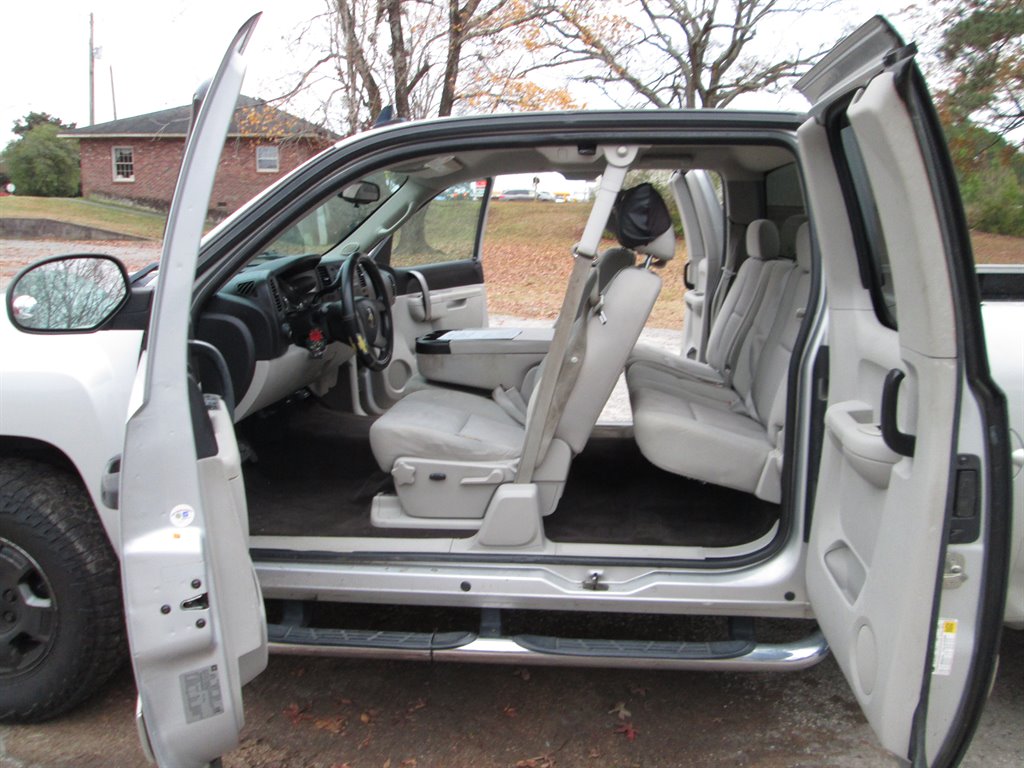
[
  {"x": 787, "y": 235},
  {"x": 641, "y": 221},
  {"x": 612, "y": 261},
  {"x": 803, "y": 247},
  {"x": 762, "y": 240}
]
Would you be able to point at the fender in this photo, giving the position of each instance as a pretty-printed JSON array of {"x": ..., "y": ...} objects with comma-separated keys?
[{"x": 70, "y": 391}]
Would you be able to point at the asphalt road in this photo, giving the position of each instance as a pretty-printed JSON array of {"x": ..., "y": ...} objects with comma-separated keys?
[{"x": 327, "y": 713}]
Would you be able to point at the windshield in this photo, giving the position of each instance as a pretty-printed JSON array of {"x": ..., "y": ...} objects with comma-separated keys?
[{"x": 331, "y": 222}]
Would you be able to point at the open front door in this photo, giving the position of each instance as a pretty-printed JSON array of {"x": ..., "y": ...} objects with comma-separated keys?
[
  {"x": 907, "y": 557},
  {"x": 192, "y": 602}
]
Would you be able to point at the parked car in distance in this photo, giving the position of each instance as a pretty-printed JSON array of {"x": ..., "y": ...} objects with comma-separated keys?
[{"x": 515, "y": 195}]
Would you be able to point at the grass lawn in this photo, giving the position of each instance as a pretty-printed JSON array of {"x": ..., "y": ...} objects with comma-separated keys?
[{"x": 126, "y": 219}]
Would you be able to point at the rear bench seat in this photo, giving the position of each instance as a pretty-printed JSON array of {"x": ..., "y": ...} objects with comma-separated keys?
[
  {"x": 734, "y": 318},
  {"x": 728, "y": 431}
]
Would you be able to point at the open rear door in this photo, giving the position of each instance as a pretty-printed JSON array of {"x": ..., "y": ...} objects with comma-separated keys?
[
  {"x": 192, "y": 602},
  {"x": 908, "y": 547}
]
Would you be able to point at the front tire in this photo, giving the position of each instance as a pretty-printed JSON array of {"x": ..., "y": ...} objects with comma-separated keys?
[{"x": 61, "y": 622}]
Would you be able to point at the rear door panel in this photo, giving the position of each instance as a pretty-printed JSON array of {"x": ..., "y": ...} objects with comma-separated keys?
[{"x": 878, "y": 541}]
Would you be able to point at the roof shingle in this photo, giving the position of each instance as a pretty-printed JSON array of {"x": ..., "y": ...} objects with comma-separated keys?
[{"x": 253, "y": 117}]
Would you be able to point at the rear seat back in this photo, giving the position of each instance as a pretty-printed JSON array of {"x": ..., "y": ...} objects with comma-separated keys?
[
  {"x": 681, "y": 429},
  {"x": 767, "y": 401},
  {"x": 741, "y": 304},
  {"x": 734, "y": 318}
]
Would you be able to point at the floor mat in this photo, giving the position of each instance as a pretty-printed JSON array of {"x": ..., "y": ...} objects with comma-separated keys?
[
  {"x": 313, "y": 474},
  {"x": 615, "y": 496}
]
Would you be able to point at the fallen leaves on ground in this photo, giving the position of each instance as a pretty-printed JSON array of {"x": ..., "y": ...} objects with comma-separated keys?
[
  {"x": 627, "y": 730},
  {"x": 417, "y": 705},
  {"x": 333, "y": 724},
  {"x": 509, "y": 711},
  {"x": 620, "y": 711},
  {"x": 295, "y": 713},
  {"x": 544, "y": 761}
]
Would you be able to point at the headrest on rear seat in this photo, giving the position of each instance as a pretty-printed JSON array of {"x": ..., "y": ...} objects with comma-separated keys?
[
  {"x": 803, "y": 247},
  {"x": 641, "y": 221},
  {"x": 762, "y": 240},
  {"x": 787, "y": 235}
]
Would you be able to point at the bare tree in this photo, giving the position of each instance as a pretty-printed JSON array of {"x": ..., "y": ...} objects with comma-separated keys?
[
  {"x": 673, "y": 53},
  {"x": 424, "y": 57}
]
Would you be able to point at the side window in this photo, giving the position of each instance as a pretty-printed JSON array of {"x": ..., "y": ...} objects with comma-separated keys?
[
  {"x": 443, "y": 230},
  {"x": 123, "y": 163},
  {"x": 783, "y": 196},
  {"x": 871, "y": 247},
  {"x": 268, "y": 159}
]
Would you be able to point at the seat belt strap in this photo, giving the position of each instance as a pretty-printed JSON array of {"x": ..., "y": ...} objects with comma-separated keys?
[
  {"x": 511, "y": 402},
  {"x": 538, "y": 414}
]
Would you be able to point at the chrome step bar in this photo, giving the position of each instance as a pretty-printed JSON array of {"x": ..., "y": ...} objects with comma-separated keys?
[{"x": 543, "y": 651}]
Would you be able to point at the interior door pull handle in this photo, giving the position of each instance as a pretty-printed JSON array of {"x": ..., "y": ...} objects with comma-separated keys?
[
  {"x": 899, "y": 442},
  {"x": 419, "y": 277}
]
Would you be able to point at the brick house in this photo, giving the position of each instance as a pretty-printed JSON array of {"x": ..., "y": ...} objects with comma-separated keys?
[{"x": 138, "y": 158}]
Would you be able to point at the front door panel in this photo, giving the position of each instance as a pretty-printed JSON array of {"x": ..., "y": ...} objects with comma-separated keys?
[{"x": 192, "y": 603}]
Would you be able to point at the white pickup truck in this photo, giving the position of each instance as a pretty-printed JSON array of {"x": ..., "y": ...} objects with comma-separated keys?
[{"x": 318, "y": 414}]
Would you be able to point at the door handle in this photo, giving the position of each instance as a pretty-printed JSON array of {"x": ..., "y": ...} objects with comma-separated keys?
[
  {"x": 419, "y": 277},
  {"x": 899, "y": 442}
]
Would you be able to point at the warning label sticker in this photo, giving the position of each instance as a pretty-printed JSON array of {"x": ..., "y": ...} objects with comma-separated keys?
[
  {"x": 945, "y": 645},
  {"x": 201, "y": 694}
]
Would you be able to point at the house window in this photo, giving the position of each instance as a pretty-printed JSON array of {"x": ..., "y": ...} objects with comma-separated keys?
[
  {"x": 124, "y": 163},
  {"x": 267, "y": 160}
]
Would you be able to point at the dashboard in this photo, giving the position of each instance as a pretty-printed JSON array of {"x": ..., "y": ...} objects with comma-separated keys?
[{"x": 271, "y": 323}]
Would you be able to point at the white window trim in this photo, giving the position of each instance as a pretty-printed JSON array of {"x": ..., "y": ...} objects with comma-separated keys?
[
  {"x": 277, "y": 158},
  {"x": 113, "y": 165}
]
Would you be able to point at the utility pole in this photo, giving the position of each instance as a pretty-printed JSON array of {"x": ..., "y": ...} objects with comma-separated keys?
[
  {"x": 92, "y": 75},
  {"x": 113, "y": 98}
]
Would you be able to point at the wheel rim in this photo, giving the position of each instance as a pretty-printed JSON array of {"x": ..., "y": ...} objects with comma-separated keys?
[{"x": 28, "y": 611}]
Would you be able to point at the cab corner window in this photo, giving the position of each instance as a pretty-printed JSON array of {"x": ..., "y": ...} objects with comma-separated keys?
[{"x": 443, "y": 230}]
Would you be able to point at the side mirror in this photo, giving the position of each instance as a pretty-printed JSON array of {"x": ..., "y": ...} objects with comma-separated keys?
[
  {"x": 67, "y": 293},
  {"x": 361, "y": 193}
]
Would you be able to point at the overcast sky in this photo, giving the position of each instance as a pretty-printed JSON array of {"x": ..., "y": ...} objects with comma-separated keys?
[{"x": 159, "y": 51}]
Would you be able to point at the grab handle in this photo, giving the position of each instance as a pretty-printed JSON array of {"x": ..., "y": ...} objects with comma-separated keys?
[{"x": 899, "y": 442}]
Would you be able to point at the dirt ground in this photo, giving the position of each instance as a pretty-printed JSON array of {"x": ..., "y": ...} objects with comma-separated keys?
[{"x": 325, "y": 713}]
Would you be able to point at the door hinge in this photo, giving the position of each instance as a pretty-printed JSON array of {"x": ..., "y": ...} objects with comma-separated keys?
[
  {"x": 593, "y": 582},
  {"x": 955, "y": 571}
]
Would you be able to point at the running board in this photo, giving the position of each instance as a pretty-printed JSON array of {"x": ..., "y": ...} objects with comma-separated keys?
[{"x": 723, "y": 655}]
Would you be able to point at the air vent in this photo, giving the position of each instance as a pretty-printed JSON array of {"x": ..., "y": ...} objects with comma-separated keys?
[
  {"x": 248, "y": 288},
  {"x": 275, "y": 293},
  {"x": 362, "y": 277},
  {"x": 325, "y": 275}
]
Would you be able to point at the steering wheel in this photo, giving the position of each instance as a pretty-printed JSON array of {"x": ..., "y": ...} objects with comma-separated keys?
[{"x": 366, "y": 320}]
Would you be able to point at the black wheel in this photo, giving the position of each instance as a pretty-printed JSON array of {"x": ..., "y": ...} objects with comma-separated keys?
[
  {"x": 365, "y": 313},
  {"x": 61, "y": 623}
]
